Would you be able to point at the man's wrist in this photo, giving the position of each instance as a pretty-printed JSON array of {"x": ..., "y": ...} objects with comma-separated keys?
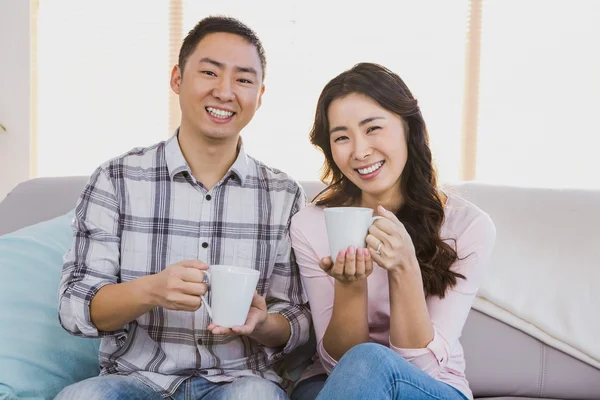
[
  {"x": 261, "y": 327},
  {"x": 274, "y": 332},
  {"x": 144, "y": 291}
]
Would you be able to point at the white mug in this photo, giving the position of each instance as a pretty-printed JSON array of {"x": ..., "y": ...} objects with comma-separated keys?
[
  {"x": 232, "y": 289},
  {"x": 348, "y": 226}
]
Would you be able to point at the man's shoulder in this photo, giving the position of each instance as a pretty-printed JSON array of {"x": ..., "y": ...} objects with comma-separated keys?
[
  {"x": 274, "y": 177},
  {"x": 137, "y": 157}
]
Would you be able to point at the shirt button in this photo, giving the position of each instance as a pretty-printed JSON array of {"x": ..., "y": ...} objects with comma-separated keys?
[
  {"x": 200, "y": 342},
  {"x": 204, "y": 245},
  {"x": 208, "y": 197}
]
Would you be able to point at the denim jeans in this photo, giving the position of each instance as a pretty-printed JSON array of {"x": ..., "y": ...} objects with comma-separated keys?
[
  {"x": 117, "y": 387},
  {"x": 309, "y": 389},
  {"x": 372, "y": 371}
]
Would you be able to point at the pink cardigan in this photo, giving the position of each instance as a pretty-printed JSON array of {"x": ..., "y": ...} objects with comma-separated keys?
[{"x": 443, "y": 358}]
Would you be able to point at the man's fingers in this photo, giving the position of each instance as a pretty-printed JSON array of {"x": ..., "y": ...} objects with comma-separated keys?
[
  {"x": 197, "y": 264},
  {"x": 183, "y": 302},
  {"x": 242, "y": 330},
  {"x": 192, "y": 275},
  {"x": 194, "y": 289},
  {"x": 218, "y": 330}
]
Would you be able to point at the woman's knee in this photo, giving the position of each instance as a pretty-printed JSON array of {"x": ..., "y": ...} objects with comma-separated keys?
[
  {"x": 309, "y": 389},
  {"x": 370, "y": 357},
  {"x": 369, "y": 352}
]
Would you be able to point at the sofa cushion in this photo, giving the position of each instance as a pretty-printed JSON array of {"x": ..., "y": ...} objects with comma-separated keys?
[
  {"x": 39, "y": 200},
  {"x": 37, "y": 357}
]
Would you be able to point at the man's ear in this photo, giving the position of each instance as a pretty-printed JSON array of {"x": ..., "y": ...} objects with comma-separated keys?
[
  {"x": 176, "y": 77},
  {"x": 262, "y": 91}
]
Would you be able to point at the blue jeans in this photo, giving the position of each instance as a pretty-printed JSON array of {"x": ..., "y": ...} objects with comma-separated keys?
[
  {"x": 372, "y": 371},
  {"x": 118, "y": 387}
]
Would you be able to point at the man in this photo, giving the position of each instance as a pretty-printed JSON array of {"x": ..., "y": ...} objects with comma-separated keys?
[{"x": 150, "y": 222}]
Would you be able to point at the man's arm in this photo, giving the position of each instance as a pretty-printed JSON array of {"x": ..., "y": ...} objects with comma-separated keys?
[
  {"x": 289, "y": 314},
  {"x": 91, "y": 301},
  {"x": 178, "y": 287},
  {"x": 116, "y": 305},
  {"x": 93, "y": 261},
  {"x": 274, "y": 332}
]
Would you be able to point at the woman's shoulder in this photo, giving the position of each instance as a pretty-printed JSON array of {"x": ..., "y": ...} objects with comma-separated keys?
[
  {"x": 308, "y": 232},
  {"x": 467, "y": 223},
  {"x": 308, "y": 222},
  {"x": 307, "y": 216}
]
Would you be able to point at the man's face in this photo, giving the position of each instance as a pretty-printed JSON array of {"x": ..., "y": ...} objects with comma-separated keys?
[{"x": 221, "y": 87}]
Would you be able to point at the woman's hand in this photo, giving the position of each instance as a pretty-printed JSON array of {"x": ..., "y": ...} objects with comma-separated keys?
[
  {"x": 390, "y": 245},
  {"x": 350, "y": 265}
]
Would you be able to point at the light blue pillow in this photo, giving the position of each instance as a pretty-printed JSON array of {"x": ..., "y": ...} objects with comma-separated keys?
[{"x": 37, "y": 356}]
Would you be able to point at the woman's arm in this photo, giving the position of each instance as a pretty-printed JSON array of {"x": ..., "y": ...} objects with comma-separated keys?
[
  {"x": 330, "y": 301},
  {"x": 424, "y": 331},
  {"x": 410, "y": 323},
  {"x": 349, "y": 325}
]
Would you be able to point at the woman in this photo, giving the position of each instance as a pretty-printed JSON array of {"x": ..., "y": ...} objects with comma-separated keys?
[{"x": 388, "y": 317}]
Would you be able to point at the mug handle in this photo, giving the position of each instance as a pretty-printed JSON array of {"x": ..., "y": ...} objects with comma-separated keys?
[
  {"x": 375, "y": 218},
  {"x": 204, "y": 302}
]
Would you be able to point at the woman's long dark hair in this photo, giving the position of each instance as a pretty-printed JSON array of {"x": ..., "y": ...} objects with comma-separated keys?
[{"x": 422, "y": 212}]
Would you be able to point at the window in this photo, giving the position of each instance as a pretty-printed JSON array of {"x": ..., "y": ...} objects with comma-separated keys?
[
  {"x": 103, "y": 75},
  {"x": 309, "y": 42},
  {"x": 103, "y": 81},
  {"x": 539, "y": 93}
]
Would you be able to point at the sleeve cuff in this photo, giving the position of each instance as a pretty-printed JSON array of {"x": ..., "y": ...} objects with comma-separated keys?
[
  {"x": 430, "y": 359},
  {"x": 326, "y": 360},
  {"x": 74, "y": 311},
  {"x": 299, "y": 320}
]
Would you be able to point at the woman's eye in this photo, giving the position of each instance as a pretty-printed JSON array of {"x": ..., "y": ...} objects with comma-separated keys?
[
  {"x": 372, "y": 128},
  {"x": 341, "y": 138}
]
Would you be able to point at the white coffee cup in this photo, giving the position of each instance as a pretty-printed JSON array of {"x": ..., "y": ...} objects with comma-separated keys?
[
  {"x": 348, "y": 226},
  {"x": 232, "y": 289}
]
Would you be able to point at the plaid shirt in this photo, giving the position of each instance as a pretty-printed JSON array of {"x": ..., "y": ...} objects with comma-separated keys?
[{"x": 143, "y": 211}]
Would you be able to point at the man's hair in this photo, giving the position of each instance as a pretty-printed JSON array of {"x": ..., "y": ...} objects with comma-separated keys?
[{"x": 220, "y": 24}]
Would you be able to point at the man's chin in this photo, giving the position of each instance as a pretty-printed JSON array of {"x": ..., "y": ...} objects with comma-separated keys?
[{"x": 223, "y": 133}]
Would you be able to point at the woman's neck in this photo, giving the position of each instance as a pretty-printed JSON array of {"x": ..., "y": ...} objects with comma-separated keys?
[{"x": 391, "y": 201}]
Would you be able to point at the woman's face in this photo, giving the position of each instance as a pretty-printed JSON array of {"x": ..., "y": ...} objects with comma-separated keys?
[{"x": 368, "y": 144}]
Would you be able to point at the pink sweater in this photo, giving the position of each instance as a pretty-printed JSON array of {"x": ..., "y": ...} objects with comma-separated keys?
[{"x": 443, "y": 358}]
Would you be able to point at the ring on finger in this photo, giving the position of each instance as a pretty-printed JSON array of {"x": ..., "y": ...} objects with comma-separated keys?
[{"x": 378, "y": 251}]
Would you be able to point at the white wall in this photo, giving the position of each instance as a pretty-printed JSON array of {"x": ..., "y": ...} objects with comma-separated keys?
[{"x": 14, "y": 93}]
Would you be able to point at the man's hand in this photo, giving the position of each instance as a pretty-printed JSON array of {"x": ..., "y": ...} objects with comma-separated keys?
[
  {"x": 256, "y": 318},
  {"x": 179, "y": 286}
]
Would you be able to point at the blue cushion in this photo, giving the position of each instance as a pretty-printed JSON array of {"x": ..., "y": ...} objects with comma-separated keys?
[{"x": 37, "y": 356}]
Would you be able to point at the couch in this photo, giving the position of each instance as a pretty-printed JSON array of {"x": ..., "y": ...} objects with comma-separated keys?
[{"x": 502, "y": 362}]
